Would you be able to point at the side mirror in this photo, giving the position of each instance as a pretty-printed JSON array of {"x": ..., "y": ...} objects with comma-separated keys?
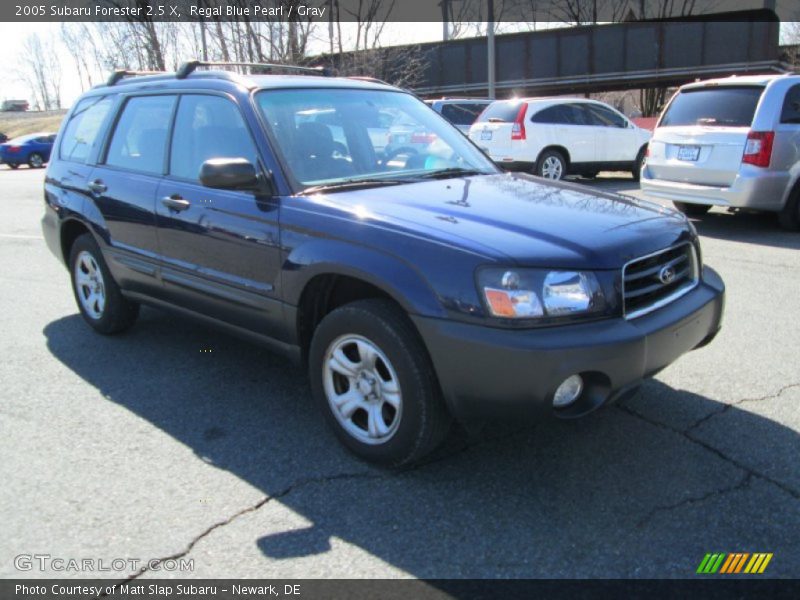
[{"x": 229, "y": 174}]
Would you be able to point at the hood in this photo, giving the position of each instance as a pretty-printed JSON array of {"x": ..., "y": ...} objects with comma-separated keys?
[{"x": 520, "y": 219}]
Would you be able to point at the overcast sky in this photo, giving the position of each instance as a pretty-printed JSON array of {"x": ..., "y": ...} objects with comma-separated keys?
[{"x": 13, "y": 35}]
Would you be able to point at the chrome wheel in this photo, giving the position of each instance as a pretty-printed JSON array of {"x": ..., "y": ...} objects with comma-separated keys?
[
  {"x": 552, "y": 168},
  {"x": 36, "y": 161},
  {"x": 90, "y": 285},
  {"x": 363, "y": 389}
]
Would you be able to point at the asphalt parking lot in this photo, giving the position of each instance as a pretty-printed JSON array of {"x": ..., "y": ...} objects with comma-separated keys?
[{"x": 176, "y": 441}]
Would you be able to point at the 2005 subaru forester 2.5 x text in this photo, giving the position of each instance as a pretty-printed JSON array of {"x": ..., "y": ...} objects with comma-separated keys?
[{"x": 417, "y": 285}]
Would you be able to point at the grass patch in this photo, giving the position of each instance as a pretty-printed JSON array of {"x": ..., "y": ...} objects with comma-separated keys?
[{"x": 16, "y": 124}]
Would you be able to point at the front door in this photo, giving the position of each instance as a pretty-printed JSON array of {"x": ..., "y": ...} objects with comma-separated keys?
[{"x": 219, "y": 248}]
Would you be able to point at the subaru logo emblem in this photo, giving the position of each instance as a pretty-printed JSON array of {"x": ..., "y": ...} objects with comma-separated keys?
[{"x": 666, "y": 275}]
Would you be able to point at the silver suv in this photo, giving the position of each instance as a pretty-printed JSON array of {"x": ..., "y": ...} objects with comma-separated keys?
[{"x": 732, "y": 142}]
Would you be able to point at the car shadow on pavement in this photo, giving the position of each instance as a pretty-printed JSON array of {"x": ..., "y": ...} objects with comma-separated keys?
[
  {"x": 644, "y": 489},
  {"x": 749, "y": 228}
]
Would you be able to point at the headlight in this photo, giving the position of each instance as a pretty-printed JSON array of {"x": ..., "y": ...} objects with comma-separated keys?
[{"x": 537, "y": 294}]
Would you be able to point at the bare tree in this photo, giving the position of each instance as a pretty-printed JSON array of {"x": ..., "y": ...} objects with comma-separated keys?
[{"x": 39, "y": 67}]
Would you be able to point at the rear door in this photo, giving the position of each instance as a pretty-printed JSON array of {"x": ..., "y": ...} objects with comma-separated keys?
[
  {"x": 701, "y": 136},
  {"x": 219, "y": 248},
  {"x": 616, "y": 141},
  {"x": 124, "y": 184}
]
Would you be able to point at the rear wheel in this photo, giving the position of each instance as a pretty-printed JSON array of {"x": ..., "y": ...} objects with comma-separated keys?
[
  {"x": 99, "y": 299},
  {"x": 551, "y": 165},
  {"x": 13, "y": 165},
  {"x": 375, "y": 384},
  {"x": 789, "y": 217},
  {"x": 693, "y": 210},
  {"x": 36, "y": 161}
]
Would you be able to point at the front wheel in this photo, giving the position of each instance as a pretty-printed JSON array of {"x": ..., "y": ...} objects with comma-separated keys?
[
  {"x": 373, "y": 380},
  {"x": 36, "y": 161},
  {"x": 99, "y": 299},
  {"x": 551, "y": 165},
  {"x": 692, "y": 210}
]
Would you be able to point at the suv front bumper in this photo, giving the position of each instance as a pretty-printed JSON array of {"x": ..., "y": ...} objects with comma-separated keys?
[{"x": 493, "y": 372}]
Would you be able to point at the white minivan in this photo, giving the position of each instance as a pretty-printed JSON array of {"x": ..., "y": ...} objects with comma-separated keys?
[
  {"x": 554, "y": 137},
  {"x": 732, "y": 142}
]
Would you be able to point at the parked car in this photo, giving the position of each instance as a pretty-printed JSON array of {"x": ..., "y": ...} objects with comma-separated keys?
[
  {"x": 555, "y": 137},
  {"x": 461, "y": 112},
  {"x": 414, "y": 291},
  {"x": 732, "y": 142},
  {"x": 33, "y": 150},
  {"x": 3, "y": 137}
]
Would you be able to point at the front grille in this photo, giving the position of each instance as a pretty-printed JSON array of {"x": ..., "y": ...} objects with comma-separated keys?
[{"x": 657, "y": 279}]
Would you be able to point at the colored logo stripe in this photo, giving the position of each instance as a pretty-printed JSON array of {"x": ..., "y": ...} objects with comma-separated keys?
[
  {"x": 758, "y": 563},
  {"x": 711, "y": 563},
  {"x": 734, "y": 562}
]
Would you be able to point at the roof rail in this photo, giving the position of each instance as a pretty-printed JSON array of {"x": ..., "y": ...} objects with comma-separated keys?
[
  {"x": 120, "y": 74},
  {"x": 366, "y": 78},
  {"x": 189, "y": 67}
]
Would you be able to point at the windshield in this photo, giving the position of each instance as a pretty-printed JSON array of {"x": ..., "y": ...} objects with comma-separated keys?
[
  {"x": 721, "y": 106},
  {"x": 343, "y": 136}
]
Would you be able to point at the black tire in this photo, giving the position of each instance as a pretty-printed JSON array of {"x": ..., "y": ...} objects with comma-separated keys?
[
  {"x": 36, "y": 161},
  {"x": 692, "y": 210},
  {"x": 590, "y": 174},
  {"x": 543, "y": 162},
  {"x": 789, "y": 217},
  {"x": 637, "y": 165},
  {"x": 13, "y": 165},
  {"x": 118, "y": 313},
  {"x": 423, "y": 418}
]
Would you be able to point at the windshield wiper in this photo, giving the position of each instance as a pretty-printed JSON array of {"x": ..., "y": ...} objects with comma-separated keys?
[
  {"x": 350, "y": 184},
  {"x": 451, "y": 172}
]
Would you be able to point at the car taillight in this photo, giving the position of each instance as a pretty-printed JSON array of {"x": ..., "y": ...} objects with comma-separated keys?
[
  {"x": 758, "y": 148},
  {"x": 422, "y": 137},
  {"x": 13, "y": 148},
  {"x": 518, "y": 128}
]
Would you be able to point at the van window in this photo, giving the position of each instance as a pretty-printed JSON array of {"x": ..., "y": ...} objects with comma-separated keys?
[
  {"x": 81, "y": 131},
  {"x": 791, "y": 106},
  {"x": 140, "y": 137},
  {"x": 462, "y": 114},
  {"x": 713, "y": 106},
  {"x": 208, "y": 127},
  {"x": 502, "y": 112}
]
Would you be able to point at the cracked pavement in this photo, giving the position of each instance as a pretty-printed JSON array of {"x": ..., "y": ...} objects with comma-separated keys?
[{"x": 144, "y": 447}]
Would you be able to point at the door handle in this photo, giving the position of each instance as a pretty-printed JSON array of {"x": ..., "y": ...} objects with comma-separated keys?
[
  {"x": 97, "y": 186},
  {"x": 175, "y": 203}
]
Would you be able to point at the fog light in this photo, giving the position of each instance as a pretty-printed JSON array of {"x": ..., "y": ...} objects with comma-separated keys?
[{"x": 568, "y": 391}]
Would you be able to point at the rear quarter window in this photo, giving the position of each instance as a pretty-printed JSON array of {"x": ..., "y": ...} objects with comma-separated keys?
[{"x": 719, "y": 106}]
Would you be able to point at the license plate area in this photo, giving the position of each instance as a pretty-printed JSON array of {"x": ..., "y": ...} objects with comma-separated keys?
[
  {"x": 486, "y": 134},
  {"x": 688, "y": 153}
]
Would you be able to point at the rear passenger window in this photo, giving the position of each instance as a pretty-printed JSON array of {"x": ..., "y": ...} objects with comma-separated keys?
[
  {"x": 791, "y": 106},
  {"x": 208, "y": 127},
  {"x": 462, "y": 114},
  {"x": 553, "y": 115},
  {"x": 82, "y": 129},
  {"x": 140, "y": 138},
  {"x": 605, "y": 117}
]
